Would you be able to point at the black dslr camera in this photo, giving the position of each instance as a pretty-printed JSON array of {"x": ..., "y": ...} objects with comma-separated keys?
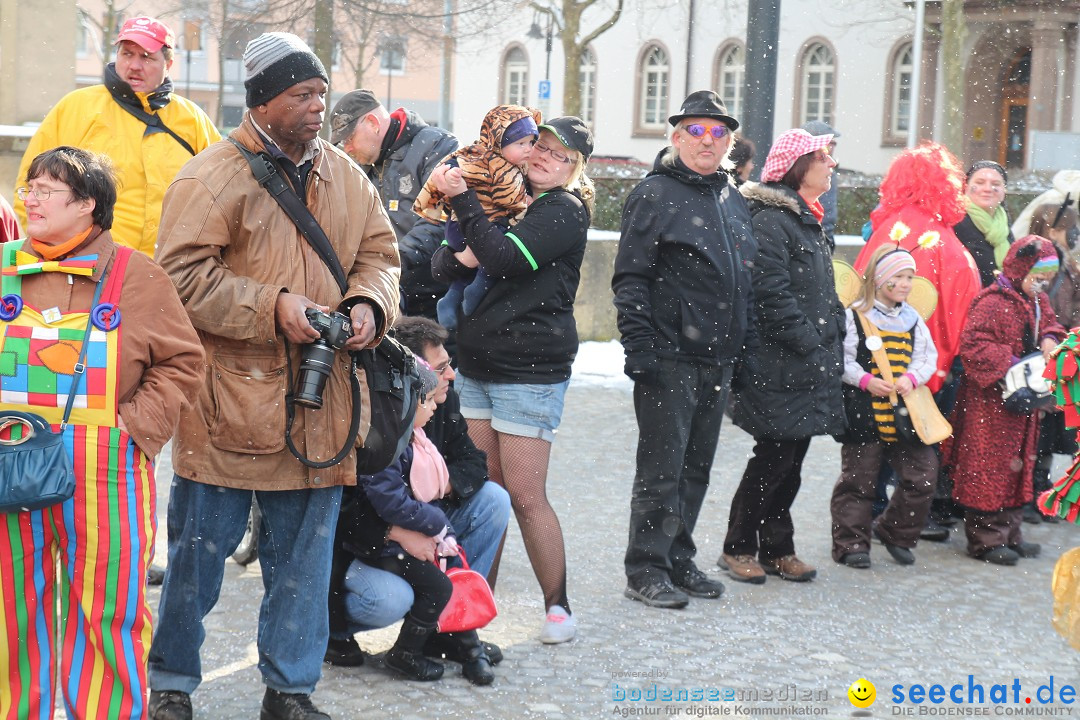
[{"x": 318, "y": 357}]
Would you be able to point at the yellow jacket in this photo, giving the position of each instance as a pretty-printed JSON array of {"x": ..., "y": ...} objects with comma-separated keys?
[{"x": 145, "y": 165}]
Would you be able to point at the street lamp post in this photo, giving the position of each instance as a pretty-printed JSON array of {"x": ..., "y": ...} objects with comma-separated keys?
[{"x": 536, "y": 33}]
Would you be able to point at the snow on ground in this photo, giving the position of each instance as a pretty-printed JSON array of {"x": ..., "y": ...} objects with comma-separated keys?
[{"x": 600, "y": 363}]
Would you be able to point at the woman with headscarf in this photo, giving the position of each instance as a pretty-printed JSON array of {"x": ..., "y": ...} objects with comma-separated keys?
[
  {"x": 790, "y": 389},
  {"x": 991, "y": 455},
  {"x": 985, "y": 228}
]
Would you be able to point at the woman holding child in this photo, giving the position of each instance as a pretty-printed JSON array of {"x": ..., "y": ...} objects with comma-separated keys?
[{"x": 516, "y": 345}]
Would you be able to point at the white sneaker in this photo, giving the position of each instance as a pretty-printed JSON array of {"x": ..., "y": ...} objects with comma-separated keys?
[{"x": 559, "y": 626}]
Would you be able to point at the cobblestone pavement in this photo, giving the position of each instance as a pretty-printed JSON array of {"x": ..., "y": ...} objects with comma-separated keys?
[{"x": 783, "y": 649}]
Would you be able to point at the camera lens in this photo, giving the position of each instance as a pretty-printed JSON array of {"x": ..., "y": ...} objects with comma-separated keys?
[{"x": 315, "y": 366}]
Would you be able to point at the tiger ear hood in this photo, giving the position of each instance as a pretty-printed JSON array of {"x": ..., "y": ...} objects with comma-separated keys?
[{"x": 499, "y": 119}]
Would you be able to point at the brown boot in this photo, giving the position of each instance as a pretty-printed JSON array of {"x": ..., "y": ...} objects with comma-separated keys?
[
  {"x": 789, "y": 567},
  {"x": 743, "y": 568}
]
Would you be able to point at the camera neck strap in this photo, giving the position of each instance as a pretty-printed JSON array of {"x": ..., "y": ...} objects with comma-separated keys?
[
  {"x": 269, "y": 176},
  {"x": 290, "y": 415}
]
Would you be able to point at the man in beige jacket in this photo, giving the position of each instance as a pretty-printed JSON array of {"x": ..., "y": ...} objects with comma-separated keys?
[{"x": 246, "y": 275}]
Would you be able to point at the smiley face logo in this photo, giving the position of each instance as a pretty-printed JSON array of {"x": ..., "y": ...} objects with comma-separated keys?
[{"x": 862, "y": 693}]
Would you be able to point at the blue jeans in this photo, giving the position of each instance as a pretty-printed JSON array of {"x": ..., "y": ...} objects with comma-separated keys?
[
  {"x": 528, "y": 410},
  {"x": 376, "y": 598},
  {"x": 205, "y": 525}
]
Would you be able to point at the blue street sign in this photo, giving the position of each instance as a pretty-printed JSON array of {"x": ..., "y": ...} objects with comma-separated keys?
[{"x": 545, "y": 90}]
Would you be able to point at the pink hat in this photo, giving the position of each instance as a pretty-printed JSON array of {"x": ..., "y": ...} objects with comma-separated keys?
[
  {"x": 788, "y": 148},
  {"x": 146, "y": 32}
]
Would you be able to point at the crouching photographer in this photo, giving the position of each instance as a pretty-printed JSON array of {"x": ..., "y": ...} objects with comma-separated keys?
[{"x": 257, "y": 232}]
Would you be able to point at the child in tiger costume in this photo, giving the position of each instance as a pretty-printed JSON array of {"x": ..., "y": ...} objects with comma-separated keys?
[{"x": 493, "y": 167}]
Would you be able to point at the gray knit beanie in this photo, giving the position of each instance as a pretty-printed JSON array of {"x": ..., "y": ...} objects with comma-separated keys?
[{"x": 275, "y": 61}]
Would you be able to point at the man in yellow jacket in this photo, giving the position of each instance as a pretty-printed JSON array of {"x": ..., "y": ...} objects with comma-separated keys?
[{"x": 134, "y": 118}]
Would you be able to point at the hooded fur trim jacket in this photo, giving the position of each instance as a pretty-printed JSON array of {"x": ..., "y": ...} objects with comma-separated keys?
[{"x": 793, "y": 387}]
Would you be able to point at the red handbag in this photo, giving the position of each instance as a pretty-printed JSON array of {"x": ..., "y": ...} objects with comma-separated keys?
[{"x": 471, "y": 606}]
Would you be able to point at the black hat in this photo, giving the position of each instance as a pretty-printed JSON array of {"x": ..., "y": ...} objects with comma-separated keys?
[
  {"x": 572, "y": 132},
  {"x": 706, "y": 104},
  {"x": 353, "y": 106}
]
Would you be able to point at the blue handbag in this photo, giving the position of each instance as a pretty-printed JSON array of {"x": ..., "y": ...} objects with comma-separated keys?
[{"x": 36, "y": 470}]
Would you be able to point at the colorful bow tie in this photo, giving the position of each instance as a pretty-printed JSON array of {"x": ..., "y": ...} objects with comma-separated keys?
[{"x": 27, "y": 264}]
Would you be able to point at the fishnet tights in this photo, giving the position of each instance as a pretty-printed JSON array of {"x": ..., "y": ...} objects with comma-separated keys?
[{"x": 520, "y": 465}]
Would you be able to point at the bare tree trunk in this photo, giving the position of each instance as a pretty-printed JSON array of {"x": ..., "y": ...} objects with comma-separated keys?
[
  {"x": 324, "y": 42},
  {"x": 108, "y": 27},
  {"x": 953, "y": 33},
  {"x": 574, "y": 45},
  {"x": 571, "y": 77}
]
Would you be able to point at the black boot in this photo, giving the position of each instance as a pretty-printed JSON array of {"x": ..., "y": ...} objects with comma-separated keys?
[
  {"x": 289, "y": 706},
  {"x": 475, "y": 664},
  {"x": 407, "y": 655},
  {"x": 442, "y": 645}
]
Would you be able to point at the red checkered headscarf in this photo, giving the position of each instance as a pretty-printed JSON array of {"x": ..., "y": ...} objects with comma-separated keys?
[{"x": 788, "y": 148}]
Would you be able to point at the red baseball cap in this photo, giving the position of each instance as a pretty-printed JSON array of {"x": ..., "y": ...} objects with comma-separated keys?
[
  {"x": 146, "y": 32},
  {"x": 788, "y": 148}
]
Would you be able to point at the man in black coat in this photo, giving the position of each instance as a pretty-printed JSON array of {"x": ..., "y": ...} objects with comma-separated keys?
[
  {"x": 365, "y": 597},
  {"x": 398, "y": 150},
  {"x": 683, "y": 294}
]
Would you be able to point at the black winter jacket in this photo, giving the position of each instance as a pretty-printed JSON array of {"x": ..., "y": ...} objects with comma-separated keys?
[
  {"x": 792, "y": 389},
  {"x": 981, "y": 251},
  {"x": 523, "y": 331},
  {"x": 399, "y": 173},
  {"x": 682, "y": 273}
]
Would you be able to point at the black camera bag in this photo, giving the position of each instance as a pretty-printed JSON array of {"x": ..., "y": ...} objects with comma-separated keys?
[
  {"x": 393, "y": 393},
  {"x": 393, "y": 382}
]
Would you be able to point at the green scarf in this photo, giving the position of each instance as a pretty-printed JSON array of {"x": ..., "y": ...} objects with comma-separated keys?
[{"x": 995, "y": 229}]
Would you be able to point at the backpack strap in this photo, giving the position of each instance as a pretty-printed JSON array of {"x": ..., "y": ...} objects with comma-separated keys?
[
  {"x": 152, "y": 120},
  {"x": 269, "y": 177}
]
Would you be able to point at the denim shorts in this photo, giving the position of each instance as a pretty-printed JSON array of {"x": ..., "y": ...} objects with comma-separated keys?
[{"x": 514, "y": 408}]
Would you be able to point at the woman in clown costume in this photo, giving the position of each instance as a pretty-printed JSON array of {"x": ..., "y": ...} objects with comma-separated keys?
[{"x": 85, "y": 558}]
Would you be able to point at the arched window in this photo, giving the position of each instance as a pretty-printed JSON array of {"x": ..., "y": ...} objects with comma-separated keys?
[
  {"x": 515, "y": 77},
  {"x": 730, "y": 75},
  {"x": 587, "y": 80},
  {"x": 901, "y": 93},
  {"x": 654, "y": 79},
  {"x": 818, "y": 83}
]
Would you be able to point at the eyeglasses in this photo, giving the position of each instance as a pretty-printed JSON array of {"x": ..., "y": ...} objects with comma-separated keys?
[
  {"x": 699, "y": 129},
  {"x": 42, "y": 194},
  {"x": 440, "y": 369},
  {"x": 560, "y": 157}
]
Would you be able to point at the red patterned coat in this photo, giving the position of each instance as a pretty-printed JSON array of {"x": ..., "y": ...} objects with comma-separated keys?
[{"x": 991, "y": 454}]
